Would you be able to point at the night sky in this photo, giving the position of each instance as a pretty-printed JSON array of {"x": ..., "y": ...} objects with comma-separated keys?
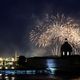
[{"x": 17, "y": 19}]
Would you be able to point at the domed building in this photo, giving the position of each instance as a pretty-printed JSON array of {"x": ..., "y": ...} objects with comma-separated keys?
[{"x": 66, "y": 49}]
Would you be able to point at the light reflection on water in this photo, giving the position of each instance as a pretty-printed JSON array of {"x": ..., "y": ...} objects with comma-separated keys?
[
  {"x": 8, "y": 77},
  {"x": 21, "y": 75}
]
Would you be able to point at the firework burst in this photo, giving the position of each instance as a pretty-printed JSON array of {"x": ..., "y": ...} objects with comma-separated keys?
[{"x": 55, "y": 29}]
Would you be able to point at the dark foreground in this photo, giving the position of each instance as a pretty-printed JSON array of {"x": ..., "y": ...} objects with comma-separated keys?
[{"x": 45, "y": 68}]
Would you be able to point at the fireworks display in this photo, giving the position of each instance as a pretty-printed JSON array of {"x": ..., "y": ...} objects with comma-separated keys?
[{"x": 53, "y": 30}]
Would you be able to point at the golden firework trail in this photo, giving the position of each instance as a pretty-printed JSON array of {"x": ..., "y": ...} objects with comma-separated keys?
[{"x": 55, "y": 29}]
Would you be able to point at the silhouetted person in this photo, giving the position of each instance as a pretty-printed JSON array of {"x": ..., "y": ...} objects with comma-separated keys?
[{"x": 66, "y": 49}]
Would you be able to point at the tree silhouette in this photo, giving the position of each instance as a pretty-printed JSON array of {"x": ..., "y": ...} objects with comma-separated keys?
[{"x": 21, "y": 60}]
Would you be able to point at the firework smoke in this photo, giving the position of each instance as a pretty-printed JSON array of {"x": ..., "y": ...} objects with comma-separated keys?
[{"x": 52, "y": 32}]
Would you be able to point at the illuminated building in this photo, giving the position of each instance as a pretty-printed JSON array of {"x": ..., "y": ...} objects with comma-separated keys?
[
  {"x": 66, "y": 49},
  {"x": 7, "y": 63}
]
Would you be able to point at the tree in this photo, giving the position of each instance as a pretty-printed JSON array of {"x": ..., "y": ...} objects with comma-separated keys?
[{"x": 21, "y": 60}]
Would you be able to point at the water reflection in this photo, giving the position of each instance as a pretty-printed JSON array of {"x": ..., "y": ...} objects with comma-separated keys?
[{"x": 28, "y": 75}]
